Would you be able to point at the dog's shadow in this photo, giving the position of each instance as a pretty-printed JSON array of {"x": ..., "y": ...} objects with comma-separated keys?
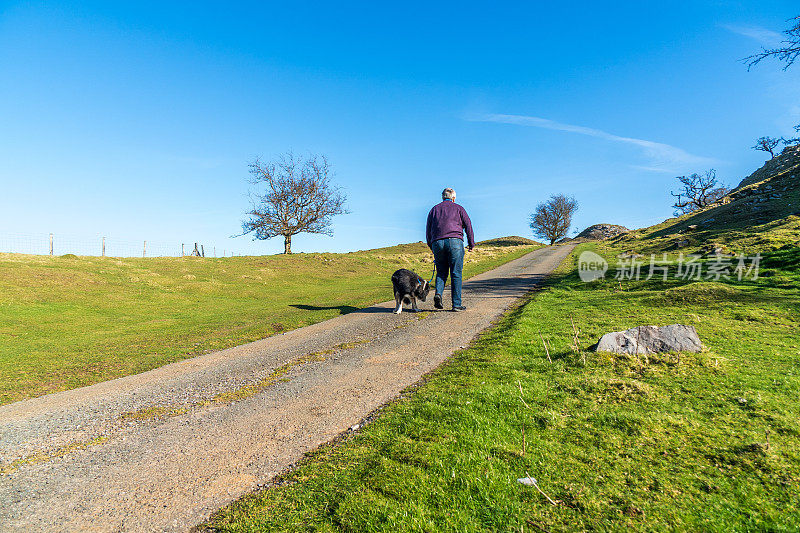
[{"x": 343, "y": 309}]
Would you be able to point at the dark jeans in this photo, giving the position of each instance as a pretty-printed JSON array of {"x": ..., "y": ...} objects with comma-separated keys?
[{"x": 449, "y": 257}]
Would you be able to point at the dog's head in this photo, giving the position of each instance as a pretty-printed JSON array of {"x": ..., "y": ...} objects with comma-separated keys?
[{"x": 422, "y": 290}]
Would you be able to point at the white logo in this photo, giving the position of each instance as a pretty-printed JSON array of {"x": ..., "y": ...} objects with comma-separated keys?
[{"x": 591, "y": 266}]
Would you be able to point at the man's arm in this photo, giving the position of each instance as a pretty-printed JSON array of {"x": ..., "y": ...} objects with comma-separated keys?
[
  {"x": 467, "y": 223},
  {"x": 428, "y": 235}
]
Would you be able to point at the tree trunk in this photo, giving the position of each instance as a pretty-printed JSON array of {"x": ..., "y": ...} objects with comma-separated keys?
[{"x": 287, "y": 244}]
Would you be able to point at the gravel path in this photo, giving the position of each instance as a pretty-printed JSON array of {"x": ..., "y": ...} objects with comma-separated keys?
[{"x": 163, "y": 449}]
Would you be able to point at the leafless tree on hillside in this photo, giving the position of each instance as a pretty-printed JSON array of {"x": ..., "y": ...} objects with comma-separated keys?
[
  {"x": 699, "y": 191},
  {"x": 794, "y": 140},
  {"x": 787, "y": 52},
  {"x": 767, "y": 144},
  {"x": 299, "y": 198},
  {"x": 552, "y": 218}
]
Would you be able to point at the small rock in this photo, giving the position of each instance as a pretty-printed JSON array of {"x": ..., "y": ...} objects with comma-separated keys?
[
  {"x": 651, "y": 339},
  {"x": 355, "y": 427},
  {"x": 632, "y": 510},
  {"x": 715, "y": 249},
  {"x": 630, "y": 254}
]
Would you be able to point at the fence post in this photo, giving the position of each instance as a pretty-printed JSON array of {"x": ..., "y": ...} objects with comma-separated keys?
[
  {"x": 104, "y": 246},
  {"x": 144, "y": 250},
  {"x": 51, "y": 244},
  {"x": 182, "y": 251}
]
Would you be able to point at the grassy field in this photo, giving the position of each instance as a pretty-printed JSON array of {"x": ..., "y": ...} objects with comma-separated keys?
[
  {"x": 688, "y": 442},
  {"x": 71, "y": 321}
]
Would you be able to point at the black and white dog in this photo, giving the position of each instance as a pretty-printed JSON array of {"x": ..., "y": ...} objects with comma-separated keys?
[{"x": 408, "y": 286}]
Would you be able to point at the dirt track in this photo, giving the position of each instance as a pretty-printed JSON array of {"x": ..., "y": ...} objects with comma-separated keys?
[{"x": 164, "y": 449}]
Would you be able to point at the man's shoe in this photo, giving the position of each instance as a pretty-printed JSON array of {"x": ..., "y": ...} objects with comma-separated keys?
[
  {"x": 459, "y": 308},
  {"x": 437, "y": 301}
]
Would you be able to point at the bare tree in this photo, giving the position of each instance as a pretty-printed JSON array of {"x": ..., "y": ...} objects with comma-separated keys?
[
  {"x": 552, "y": 218},
  {"x": 767, "y": 144},
  {"x": 299, "y": 198},
  {"x": 788, "y": 51},
  {"x": 794, "y": 140},
  {"x": 699, "y": 191}
]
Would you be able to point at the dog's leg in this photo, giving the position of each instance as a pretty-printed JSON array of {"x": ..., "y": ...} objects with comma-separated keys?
[
  {"x": 399, "y": 301},
  {"x": 414, "y": 304}
]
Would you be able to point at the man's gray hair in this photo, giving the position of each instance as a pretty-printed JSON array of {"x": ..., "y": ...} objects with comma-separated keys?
[{"x": 449, "y": 194}]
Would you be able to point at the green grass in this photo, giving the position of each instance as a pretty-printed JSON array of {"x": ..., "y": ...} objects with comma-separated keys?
[
  {"x": 688, "y": 442},
  {"x": 71, "y": 321}
]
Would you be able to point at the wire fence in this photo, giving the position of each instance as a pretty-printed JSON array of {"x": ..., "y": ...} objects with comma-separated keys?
[{"x": 101, "y": 246}]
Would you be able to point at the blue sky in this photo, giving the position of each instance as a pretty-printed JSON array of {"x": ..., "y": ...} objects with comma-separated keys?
[{"x": 137, "y": 121}]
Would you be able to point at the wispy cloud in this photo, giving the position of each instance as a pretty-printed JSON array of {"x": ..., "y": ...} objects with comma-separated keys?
[
  {"x": 663, "y": 157},
  {"x": 652, "y": 169},
  {"x": 370, "y": 227},
  {"x": 199, "y": 162},
  {"x": 762, "y": 35}
]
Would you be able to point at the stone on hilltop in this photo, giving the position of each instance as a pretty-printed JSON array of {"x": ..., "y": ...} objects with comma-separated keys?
[{"x": 651, "y": 339}]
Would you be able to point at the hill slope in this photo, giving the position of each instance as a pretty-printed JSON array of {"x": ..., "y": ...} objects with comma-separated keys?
[
  {"x": 762, "y": 213},
  {"x": 513, "y": 240}
]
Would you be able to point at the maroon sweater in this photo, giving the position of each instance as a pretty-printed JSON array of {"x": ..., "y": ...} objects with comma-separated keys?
[{"x": 448, "y": 219}]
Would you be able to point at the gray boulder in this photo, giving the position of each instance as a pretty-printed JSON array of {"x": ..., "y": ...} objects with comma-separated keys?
[{"x": 651, "y": 339}]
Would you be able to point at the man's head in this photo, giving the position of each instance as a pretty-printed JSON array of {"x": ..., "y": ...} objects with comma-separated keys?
[{"x": 449, "y": 194}]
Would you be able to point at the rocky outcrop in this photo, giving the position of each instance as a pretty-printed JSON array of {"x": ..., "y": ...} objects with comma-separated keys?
[
  {"x": 651, "y": 339},
  {"x": 601, "y": 232}
]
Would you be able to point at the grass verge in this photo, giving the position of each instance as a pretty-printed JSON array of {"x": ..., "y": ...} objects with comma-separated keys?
[
  {"x": 70, "y": 321},
  {"x": 706, "y": 441}
]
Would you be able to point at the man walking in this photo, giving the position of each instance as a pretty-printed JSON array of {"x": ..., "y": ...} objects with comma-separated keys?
[{"x": 444, "y": 233}]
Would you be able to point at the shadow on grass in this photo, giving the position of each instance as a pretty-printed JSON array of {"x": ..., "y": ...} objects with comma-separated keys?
[
  {"x": 343, "y": 309},
  {"x": 787, "y": 258}
]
